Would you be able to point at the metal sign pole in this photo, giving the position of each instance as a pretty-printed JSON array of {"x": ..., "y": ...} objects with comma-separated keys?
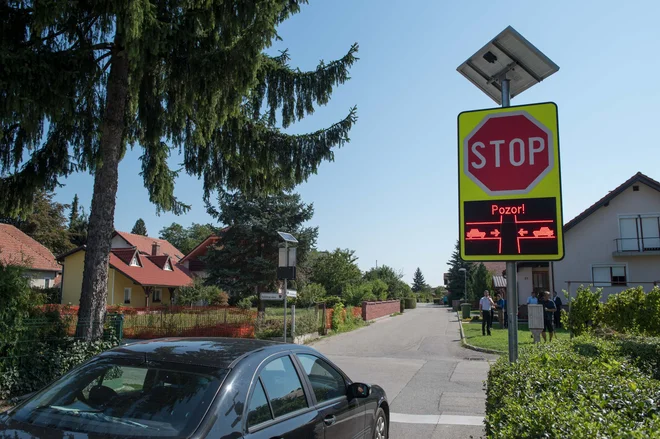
[
  {"x": 511, "y": 270},
  {"x": 286, "y": 249}
]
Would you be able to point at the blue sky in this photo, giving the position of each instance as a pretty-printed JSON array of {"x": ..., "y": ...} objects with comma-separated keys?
[{"x": 391, "y": 194}]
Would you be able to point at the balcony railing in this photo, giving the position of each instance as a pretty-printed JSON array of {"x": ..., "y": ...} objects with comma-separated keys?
[{"x": 637, "y": 245}]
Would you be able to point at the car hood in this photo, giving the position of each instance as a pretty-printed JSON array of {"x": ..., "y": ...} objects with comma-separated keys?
[{"x": 10, "y": 429}]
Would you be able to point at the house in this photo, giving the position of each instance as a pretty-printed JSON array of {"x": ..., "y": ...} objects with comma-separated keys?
[
  {"x": 531, "y": 277},
  {"x": 17, "y": 248},
  {"x": 615, "y": 243},
  {"x": 194, "y": 261},
  {"x": 143, "y": 272}
]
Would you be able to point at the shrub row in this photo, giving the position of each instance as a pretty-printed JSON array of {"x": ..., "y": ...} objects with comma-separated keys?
[
  {"x": 631, "y": 311},
  {"x": 585, "y": 387}
]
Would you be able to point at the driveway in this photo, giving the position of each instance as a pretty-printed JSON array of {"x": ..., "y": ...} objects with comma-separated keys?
[{"x": 434, "y": 386}]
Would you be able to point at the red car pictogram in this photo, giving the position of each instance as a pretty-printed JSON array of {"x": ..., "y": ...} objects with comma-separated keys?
[
  {"x": 476, "y": 234},
  {"x": 544, "y": 232}
]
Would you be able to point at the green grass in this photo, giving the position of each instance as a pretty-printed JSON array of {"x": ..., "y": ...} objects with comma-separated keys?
[{"x": 499, "y": 341}]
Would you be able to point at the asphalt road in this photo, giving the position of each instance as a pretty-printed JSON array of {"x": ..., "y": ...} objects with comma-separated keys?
[{"x": 434, "y": 386}]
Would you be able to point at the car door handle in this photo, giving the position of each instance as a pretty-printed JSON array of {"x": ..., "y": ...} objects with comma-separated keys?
[{"x": 329, "y": 420}]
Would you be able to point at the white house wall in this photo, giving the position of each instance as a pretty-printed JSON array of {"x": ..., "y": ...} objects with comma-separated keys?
[{"x": 592, "y": 242}]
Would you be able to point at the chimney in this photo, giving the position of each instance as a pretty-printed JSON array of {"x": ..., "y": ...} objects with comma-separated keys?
[{"x": 155, "y": 248}]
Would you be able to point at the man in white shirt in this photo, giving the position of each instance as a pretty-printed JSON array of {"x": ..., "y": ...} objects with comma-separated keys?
[{"x": 486, "y": 306}]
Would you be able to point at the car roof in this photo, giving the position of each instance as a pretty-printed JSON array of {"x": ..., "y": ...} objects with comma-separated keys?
[{"x": 219, "y": 353}]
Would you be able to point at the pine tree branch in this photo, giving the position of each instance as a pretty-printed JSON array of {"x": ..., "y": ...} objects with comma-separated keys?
[{"x": 294, "y": 91}]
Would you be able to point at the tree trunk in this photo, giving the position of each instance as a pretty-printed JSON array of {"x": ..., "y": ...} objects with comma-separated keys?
[{"x": 94, "y": 292}]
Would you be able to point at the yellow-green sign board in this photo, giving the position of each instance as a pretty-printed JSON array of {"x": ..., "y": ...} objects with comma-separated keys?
[{"x": 509, "y": 184}]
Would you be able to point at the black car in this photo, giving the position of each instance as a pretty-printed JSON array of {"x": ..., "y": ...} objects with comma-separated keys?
[{"x": 216, "y": 388}]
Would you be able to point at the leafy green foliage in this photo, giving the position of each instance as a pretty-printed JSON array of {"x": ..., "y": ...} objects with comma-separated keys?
[
  {"x": 410, "y": 303},
  {"x": 186, "y": 238},
  {"x": 336, "y": 271},
  {"x": 250, "y": 246},
  {"x": 396, "y": 287},
  {"x": 199, "y": 292},
  {"x": 78, "y": 224},
  {"x": 34, "y": 346},
  {"x": 456, "y": 285},
  {"x": 625, "y": 311},
  {"x": 310, "y": 295},
  {"x": 577, "y": 388},
  {"x": 585, "y": 309},
  {"x": 354, "y": 295},
  {"x": 140, "y": 228},
  {"x": 244, "y": 303},
  {"x": 338, "y": 316},
  {"x": 419, "y": 284}
]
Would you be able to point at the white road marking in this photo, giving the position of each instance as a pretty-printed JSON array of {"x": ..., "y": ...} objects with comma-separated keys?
[{"x": 436, "y": 419}]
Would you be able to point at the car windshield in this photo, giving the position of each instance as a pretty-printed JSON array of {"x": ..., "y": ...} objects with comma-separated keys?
[{"x": 126, "y": 398}]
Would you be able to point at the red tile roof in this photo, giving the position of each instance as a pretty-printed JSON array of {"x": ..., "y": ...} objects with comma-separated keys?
[
  {"x": 125, "y": 254},
  {"x": 202, "y": 247},
  {"x": 144, "y": 244},
  {"x": 18, "y": 248},
  {"x": 495, "y": 267},
  {"x": 150, "y": 274},
  {"x": 159, "y": 260}
]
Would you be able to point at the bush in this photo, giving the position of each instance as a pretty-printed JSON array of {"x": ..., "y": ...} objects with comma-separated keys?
[
  {"x": 311, "y": 294},
  {"x": 244, "y": 303},
  {"x": 621, "y": 312},
  {"x": 585, "y": 310},
  {"x": 337, "y": 317},
  {"x": 199, "y": 292},
  {"x": 577, "y": 388},
  {"x": 644, "y": 352},
  {"x": 332, "y": 301},
  {"x": 356, "y": 294},
  {"x": 410, "y": 303}
]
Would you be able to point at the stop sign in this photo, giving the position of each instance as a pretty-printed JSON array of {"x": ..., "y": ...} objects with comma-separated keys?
[{"x": 508, "y": 153}]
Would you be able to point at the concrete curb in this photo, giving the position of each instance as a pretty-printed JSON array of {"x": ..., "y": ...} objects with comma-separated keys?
[{"x": 467, "y": 345}]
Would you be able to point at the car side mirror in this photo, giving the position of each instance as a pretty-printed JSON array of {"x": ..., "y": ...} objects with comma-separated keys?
[{"x": 359, "y": 390}]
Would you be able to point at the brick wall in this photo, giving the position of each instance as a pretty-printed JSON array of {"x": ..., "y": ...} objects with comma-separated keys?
[{"x": 373, "y": 310}]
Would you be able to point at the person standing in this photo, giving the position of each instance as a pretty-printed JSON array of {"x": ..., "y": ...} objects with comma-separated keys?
[
  {"x": 532, "y": 300},
  {"x": 549, "y": 309},
  {"x": 558, "y": 305},
  {"x": 501, "y": 311},
  {"x": 486, "y": 306}
]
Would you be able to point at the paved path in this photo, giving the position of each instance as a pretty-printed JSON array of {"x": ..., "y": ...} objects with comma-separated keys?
[{"x": 435, "y": 387}]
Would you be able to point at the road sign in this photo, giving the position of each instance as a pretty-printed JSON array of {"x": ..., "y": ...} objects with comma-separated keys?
[
  {"x": 510, "y": 184},
  {"x": 271, "y": 296},
  {"x": 291, "y": 293}
]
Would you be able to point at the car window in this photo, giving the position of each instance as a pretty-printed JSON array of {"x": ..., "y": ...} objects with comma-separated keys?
[
  {"x": 283, "y": 386},
  {"x": 126, "y": 398},
  {"x": 327, "y": 382},
  {"x": 258, "y": 410}
]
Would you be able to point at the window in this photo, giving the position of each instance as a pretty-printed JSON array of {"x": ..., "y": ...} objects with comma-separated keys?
[
  {"x": 46, "y": 283},
  {"x": 158, "y": 293},
  {"x": 126, "y": 398},
  {"x": 167, "y": 266},
  {"x": 283, "y": 386},
  {"x": 609, "y": 275},
  {"x": 258, "y": 410},
  {"x": 135, "y": 262},
  {"x": 327, "y": 383},
  {"x": 127, "y": 295},
  {"x": 639, "y": 233},
  {"x": 540, "y": 281}
]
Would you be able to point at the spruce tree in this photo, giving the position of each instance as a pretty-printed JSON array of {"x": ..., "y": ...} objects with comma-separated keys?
[
  {"x": 82, "y": 81},
  {"x": 140, "y": 228},
  {"x": 456, "y": 285},
  {"x": 419, "y": 284},
  {"x": 73, "y": 216},
  {"x": 482, "y": 280}
]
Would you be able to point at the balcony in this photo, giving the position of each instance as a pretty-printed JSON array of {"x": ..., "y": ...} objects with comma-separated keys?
[{"x": 649, "y": 246}]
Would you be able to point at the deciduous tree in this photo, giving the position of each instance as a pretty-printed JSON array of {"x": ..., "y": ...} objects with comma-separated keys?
[
  {"x": 336, "y": 270},
  {"x": 82, "y": 81},
  {"x": 186, "y": 238}
]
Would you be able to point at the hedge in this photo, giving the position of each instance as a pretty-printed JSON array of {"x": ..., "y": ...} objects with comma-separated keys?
[
  {"x": 410, "y": 303},
  {"x": 582, "y": 388}
]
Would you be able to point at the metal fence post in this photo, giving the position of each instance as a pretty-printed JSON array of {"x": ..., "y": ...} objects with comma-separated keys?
[{"x": 293, "y": 323}]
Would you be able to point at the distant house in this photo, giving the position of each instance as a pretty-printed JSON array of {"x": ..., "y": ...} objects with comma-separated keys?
[
  {"x": 17, "y": 248},
  {"x": 143, "y": 272},
  {"x": 194, "y": 261},
  {"x": 615, "y": 243}
]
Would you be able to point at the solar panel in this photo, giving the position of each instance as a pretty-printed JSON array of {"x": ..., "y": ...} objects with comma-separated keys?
[
  {"x": 288, "y": 237},
  {"x": 508, "y": 54}
]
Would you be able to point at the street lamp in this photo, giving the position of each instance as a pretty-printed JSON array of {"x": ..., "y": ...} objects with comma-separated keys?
[{"x": 464, "y": 271}]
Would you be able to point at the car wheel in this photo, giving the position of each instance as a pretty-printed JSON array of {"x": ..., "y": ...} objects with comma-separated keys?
[{"x": 381, "y": 427}]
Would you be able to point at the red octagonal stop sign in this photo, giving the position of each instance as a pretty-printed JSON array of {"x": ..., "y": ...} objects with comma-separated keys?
[{"x": 508, "y": 153}]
